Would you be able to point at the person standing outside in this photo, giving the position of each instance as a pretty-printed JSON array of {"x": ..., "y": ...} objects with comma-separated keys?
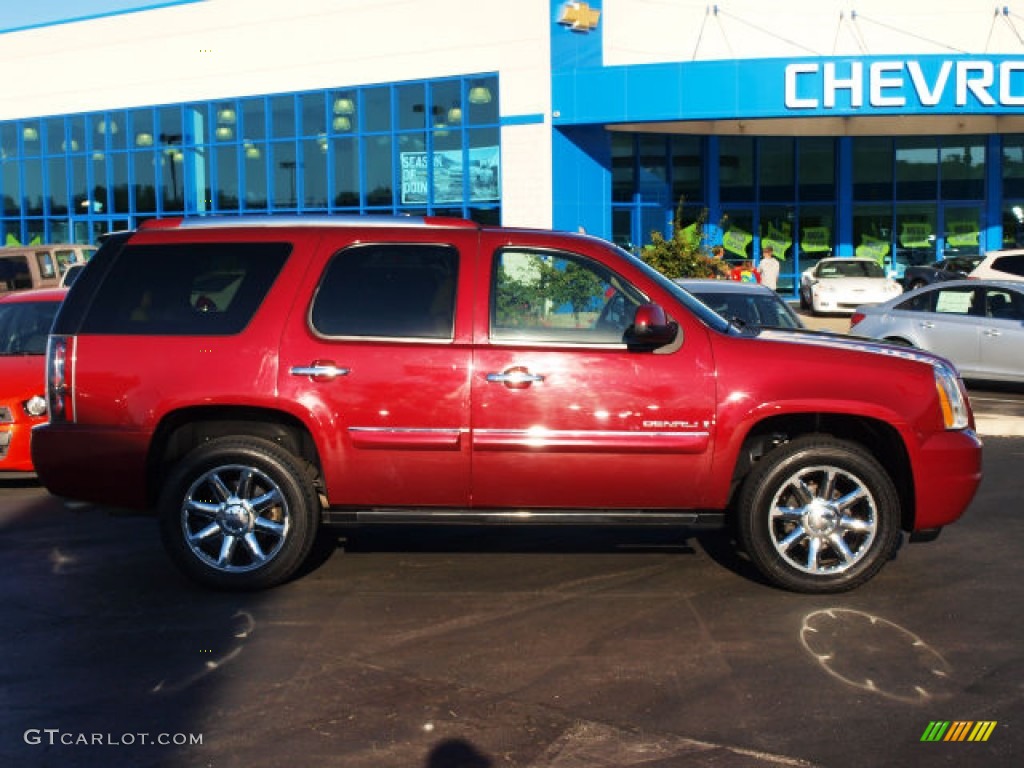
[{"x": 769, "y": 268}]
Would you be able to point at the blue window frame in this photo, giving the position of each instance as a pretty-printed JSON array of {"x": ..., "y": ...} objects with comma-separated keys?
[{"x": 428, "y": 147}]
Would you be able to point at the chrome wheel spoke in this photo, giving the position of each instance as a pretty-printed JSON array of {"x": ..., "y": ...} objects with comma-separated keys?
[
  {"x": 205, "y": 533},
  {"x": 813, "y": 548},
  {"x": 856, "y": 525},
  {"x": 227, "y": 549},
  {"x": 839, "y": 545},
  {"x": 263, "y": 525},
  {"x": 254, "y": 548},
  {"x": 266, "y": 501},
  {"x": 796, "y": 535},
  {"x": 218, "y": 485}
]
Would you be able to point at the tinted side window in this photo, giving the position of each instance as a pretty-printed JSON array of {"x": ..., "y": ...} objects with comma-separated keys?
[
  {"x": 14, "y": 273},
  {"x": 548, "y": 297},
  {"x": 190, "y": 289},
  {"x": 390, "y": 290},
  {"x": 1011, "y": 264}
]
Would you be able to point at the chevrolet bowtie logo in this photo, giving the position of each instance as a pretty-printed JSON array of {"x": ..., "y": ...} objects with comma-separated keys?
[{"x": 580, "y": 17}]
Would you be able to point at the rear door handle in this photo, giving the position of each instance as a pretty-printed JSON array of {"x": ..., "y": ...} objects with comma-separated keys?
[
  {"x": 992, "y": 332},
  {"x": 319, "y": 370}
]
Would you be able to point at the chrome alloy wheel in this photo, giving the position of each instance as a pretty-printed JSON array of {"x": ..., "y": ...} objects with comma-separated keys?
[
  {"x": 235, "y": 518},
  {"x": 823, "y": 520}
]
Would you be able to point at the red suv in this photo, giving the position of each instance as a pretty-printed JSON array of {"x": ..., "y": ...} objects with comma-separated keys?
[{"x": 251, "y": 380}]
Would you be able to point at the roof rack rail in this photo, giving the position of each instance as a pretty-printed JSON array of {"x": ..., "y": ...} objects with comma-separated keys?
[{"x": 341, "y": 220}]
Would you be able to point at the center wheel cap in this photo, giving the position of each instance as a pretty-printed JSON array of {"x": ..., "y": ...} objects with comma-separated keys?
[
  {"x": 821, "y": 518},
  {"x": 235, "y": 518}
]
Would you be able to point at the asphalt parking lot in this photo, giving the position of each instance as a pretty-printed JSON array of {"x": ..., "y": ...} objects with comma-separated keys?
[{"x": 507, "y": 647}]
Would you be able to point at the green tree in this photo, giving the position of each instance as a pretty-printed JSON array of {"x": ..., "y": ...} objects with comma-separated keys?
[{"x": 685, "y": 253}]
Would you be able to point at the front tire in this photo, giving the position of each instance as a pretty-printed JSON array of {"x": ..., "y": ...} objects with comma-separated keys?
[
  {"x": 239, "y": 514},
  {"x": 819, "y": 515}
]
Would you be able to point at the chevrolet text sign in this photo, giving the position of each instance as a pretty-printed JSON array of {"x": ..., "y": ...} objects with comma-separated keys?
[{"x": 904, "y": 84}]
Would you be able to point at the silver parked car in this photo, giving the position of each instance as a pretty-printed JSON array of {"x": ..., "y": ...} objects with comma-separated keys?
[
  {"x": 978, "y": 325},
  {"x": 751, "y": 304}
]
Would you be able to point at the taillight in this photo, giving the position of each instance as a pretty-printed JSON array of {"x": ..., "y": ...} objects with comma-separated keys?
[
  {"x": 855, "y": 318},
  {"x": 59, "y": 352}
]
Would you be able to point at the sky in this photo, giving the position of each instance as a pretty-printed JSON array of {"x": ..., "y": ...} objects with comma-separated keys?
[{"x": 26, "y": 14}]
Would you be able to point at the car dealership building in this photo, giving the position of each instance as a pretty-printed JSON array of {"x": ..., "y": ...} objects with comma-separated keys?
[{"x": 886, "y": 129}]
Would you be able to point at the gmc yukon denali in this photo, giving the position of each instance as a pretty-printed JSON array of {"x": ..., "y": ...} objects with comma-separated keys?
[{"x": 252, "y": 379}]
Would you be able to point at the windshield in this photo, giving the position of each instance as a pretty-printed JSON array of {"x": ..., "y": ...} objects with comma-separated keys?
[
  {"x": 24, "y": 327},
  {"x": 849, "y": 268},
  {"x": 702, "y": 311},
  {"x": 758, "y": 310}
]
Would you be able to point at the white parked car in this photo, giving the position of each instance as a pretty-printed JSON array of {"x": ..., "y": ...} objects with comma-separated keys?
[
  {"x": 1000, "y": 265},
  {"x": 840, "y": 285}
]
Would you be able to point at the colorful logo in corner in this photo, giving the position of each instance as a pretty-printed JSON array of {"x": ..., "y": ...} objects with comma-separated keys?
[
  {"x": 958, "y": 730},
  {"x": 579, "y": 17}
]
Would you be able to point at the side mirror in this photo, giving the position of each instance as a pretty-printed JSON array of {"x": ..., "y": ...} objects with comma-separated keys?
[{"x": 650, "y": 330}]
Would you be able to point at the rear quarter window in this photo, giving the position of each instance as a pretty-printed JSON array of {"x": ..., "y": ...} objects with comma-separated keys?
[
  {"x": 184, "y": 289},
  {"x": 1013, "y": 265}
]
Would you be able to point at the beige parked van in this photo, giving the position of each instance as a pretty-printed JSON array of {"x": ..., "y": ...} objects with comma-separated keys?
[{"x": 39, "y": 266}]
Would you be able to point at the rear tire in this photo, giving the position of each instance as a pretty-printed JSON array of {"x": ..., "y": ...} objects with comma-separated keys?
[
  {"x": 819, "y": 515},
  {"x": 239, "y": 513}
]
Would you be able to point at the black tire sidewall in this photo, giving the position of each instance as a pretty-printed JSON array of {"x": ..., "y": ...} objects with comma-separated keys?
[
  {"x": 287, "y": 471},
  {"x": 762, "y": 484}
]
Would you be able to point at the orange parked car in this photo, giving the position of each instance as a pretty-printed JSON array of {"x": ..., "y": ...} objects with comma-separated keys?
[{"x": 25, "y": 320}]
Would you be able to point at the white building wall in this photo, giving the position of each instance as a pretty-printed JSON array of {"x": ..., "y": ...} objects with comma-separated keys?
[
  {"x": 228, "y": 48},
  {"x": 651, "y": 31}
]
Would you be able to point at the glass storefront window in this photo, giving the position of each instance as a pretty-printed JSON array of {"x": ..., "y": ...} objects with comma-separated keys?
[
  {"x": 79, "y": 185},
  {"x": 284, "y": 167},
  {"x": 56, "y": 186},
  {"x": 379, "y": 177},
  {"x": 816, "y": 158},
  {"x": 314, "y": 173},
  {"x": 344, "y": 111},
  {"x": 254, "y": 121},
  {"x": 872, "y": 168},
  {"x": 917, "y": 171},
  {"x": 738, "y": 235},
  {"x": 963, "y": 168},
  {"x": 484, "y": 165},
  {"x": 776, "y": 169},
  {"x": 623, "y": 168},
  {"x": 120, "y": 197},
  {"x": 226, "y": 167},
  {"x": 817, "y": 235},
  {"x": 653, "y": 167},
  {"x": 446, "y": 104},
  {"x": 412, "y": 107},
  {"x": 254, "y": 175},
  {"x": 282, "y": 117},
  {"x": 55, "y": 140},
  {"x": 482, "y": 98},
  {"x": 1013, "y": 166},
  {"x": 32, "y": 138},
  {"x": 736, "y": 168},
  {"x": 777, "y": 230},
  {"x": 872, "y": 232},
  {"x": 962, "y": 233},
  {"x": 172, "y": 174},
  {"x": 377, "y": 109},
  {"x": 346, "y": 172},
  {"x": 144, "y": 181},
  {"x": 314, "y": 114},
  {"x": 687, "y": 158},
  {"x": 33, "y": 202},
  {"x": 915, "y": 236}
]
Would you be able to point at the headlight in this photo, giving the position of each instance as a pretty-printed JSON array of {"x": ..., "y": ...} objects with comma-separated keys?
[
  {"x": 951, "y": 398},
  {"x": 35, "y": 406}
]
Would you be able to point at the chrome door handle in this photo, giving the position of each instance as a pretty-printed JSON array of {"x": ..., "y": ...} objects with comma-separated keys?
[
  {"x": 992, "y": 332},
  {"x": 515, "y": 378},
  {"x": 926, "y": 324},
  {"x": 319, "y": 370}
]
